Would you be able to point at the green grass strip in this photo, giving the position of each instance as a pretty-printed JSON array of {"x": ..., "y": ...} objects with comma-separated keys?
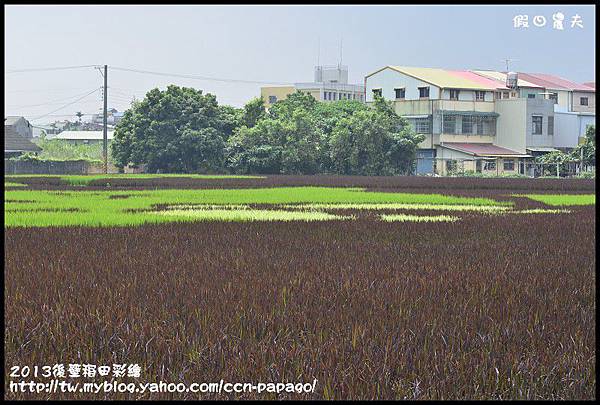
[
  {"x": 561, "y": 199},
  {"x": 419, "y": 218}
]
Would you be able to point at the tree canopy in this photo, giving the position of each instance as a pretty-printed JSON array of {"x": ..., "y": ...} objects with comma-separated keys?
[{"x": 182, "y": 130}]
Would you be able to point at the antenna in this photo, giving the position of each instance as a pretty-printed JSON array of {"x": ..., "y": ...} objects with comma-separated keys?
[
  {"x": 318, "y": 51},
  {"x": 507, "y": 61}
]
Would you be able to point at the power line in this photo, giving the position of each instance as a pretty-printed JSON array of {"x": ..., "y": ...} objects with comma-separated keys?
[
  {"x": 52, "y": 101},
  {"x": 48, "y": 69},
  {"x": 66, "y": 105},
  {"x": 195, "y": 77}
]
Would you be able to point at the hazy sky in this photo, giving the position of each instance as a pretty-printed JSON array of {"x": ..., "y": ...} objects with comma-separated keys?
[{"x": 267, "y": 43}]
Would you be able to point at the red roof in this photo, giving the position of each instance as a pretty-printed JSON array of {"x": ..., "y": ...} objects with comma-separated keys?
[
  {"x": 465, "y": 74},
  {"x": 480, "y": 149},
  {"x": 554, "y": 82},
  {"x": 590, "y": 84}
]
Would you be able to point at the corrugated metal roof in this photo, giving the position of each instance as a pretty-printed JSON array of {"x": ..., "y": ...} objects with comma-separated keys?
[
  {"x": 482, "y": 149},
  {"x": 490, "y": 83},
  {"x": 83, "y": 135},
  {"x": 554, "y": 82},
  {"x": 13, "y": 142},
  {"x": 444, "y": 78},
  {"x": 590, "y": 84},
  {"x": 501, "y": 78}
]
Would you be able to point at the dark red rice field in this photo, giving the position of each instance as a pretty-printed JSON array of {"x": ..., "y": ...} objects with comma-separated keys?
[{"x": 489, "y": 307}]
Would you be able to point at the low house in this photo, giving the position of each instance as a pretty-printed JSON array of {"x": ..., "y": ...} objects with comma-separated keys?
[
  {"x": 20, "y": 125},
  {"x": 479, "y": 157},
  {"x": 83, "y": 137},
  {"x": 15, "y": 144}
]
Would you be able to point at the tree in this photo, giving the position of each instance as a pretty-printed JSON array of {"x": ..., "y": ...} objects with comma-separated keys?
[
  {"x": 175, "y": 130},
  {"x": 254, "y": 111},
  {"x": 79, "y": 114},
  {"x": 586, "y": 152},
  {"x": 373, "y": 142}
]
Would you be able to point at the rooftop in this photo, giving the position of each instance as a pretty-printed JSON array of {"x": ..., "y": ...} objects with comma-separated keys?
[
  {"x": 13, "y": 142},
  {"x": 482, "y": 149},
  {"x": 554, "y": 82},
  {"x": 83, "y": 135}
]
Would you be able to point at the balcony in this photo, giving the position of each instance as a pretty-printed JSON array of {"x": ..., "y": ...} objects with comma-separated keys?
[{"x": 426, "y": 107}]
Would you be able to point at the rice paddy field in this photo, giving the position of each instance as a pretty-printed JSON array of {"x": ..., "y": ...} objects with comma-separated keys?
[{"x": 377, "y": 287}]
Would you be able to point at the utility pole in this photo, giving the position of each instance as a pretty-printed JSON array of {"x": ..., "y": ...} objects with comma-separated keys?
[{"x": 105, "y": 129}]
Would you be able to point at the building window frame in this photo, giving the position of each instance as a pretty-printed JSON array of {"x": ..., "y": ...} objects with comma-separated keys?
[
  {"x": 449, "y": 124},
  {"x": 550, "y": 125},
  {"x": 508, "y": 165},
  {"x": 454, "y": 93},
  {"x": 479, "y": 95},
  {"x": 272, "y": 99},
  {"x": 537, "y": 124},
  {"x": 400, "y": 93},
  {"x": 377, "y": 92},
  {"x": 489, "y": 165},
  {"x": 467, "y": 124},
  {"x": 581, "y": 101},
  {"x": 423, "y": 92}
]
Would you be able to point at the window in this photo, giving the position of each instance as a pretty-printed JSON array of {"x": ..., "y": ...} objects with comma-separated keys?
[
  {"x": 467, "y": 124},
  {"x": 424, "y": 92},
  {"x": 272, "y": 99},
  {"x": 497, "y": 95},
  {"x": 376, "y": 92},
  {"x": 513, "y": 94},
  {"x": 449, "y": 126},
  {"x": 554, "y": 96},
  {"x": 454, "y": 94},
  {"x": 505, "y": 94},
  {"x": 509, "y": 164},
  {"x": 537, "y": 121},
  {"x": 531, "y": 95},
  {"x": 583, "y": 101},
  {"x": 451, "y": 166},
  {"x": 550, "y": 125},
  {"x": 479, "y": 95},
  {"x": 400, "y": 93},
  {"x": 489, "y": 165},
  {"x": 421, "y": 125}
]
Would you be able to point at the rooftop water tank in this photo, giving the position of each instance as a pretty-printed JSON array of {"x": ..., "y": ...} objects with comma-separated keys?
[{"x": 512, "y": 78}]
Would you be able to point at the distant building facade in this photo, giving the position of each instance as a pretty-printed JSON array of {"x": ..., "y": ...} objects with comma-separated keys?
[
  {"x": 484, "y": 121},
  {"x": 330, "y": 84},
  {"x": 20, "y": 125}
]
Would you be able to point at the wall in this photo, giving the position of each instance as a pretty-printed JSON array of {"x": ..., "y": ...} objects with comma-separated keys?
[
  {"x": 389, "y": 79},
  {"x": 467, "y": 95},
  {"x": 591, "y": 107},
  {"x": 545, "y": 108},
  {"x": 281, "y": 92},
  {"x": 569, "y": 126},
  {"x": 23, "y": 128},
  {"x": 511, "y": 125}
]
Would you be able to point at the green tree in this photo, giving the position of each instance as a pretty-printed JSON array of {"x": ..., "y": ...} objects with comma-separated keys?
[
  {"x": 175, "y": 130},
  {"x": 373, "y": 142},
  {"x": 254, "y": 111},
  {"x": 587, "y": 149}
]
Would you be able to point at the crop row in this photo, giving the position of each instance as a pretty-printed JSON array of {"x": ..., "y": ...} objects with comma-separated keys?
[{"x": 487, "y": 307}]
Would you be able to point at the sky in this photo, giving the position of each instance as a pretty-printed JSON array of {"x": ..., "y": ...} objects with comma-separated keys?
[{"x": 279, "y": 44}]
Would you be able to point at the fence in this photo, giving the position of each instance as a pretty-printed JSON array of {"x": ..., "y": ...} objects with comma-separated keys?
[
  {"x": 430, "y": 166},
  {"x": 54, "y": 167}
]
